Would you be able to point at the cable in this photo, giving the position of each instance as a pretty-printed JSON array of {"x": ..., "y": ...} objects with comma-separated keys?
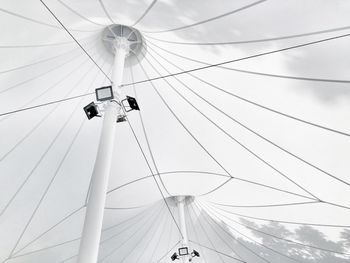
[
  {"x": 146, "y": 138},
  {"x": 78, "y": 14},
  {"x": 249, "y": 238},
  {"x": 195, "y": 232},
  {"x": 40, "y": 22},
  {"x": 106, "y": 12},
  {"x": 248, "y": 71},
  {"x": 207, "y": 236},
  {"x": 283, "y": 222},
  {"x": 47, "y": 104},
  {"x": 235, "y": 239},
  {"x": 180, "y": 122},
  {"x": 50, "y": 183},
  {"x": 267, "y": 205},
  {"x": 252, "y": 131},
  {"x": 225, "y": 132},
  {"x": 53, "y": 177},
  {"x": 46, "y": 231},
  {"x": 254, "y": 40},
  {"x": 284, "y": 239},
  {"x": 40, "y": 122},
  {"x": 37, "y": 62},
  {"x": 145, "y": 234},
  {"x": 59, "y": 21},
  {"x": 255, "y": 103},
  {"x": 208, "y": 66},
  {"x": 128, "y": 239},
  {"x": 242, "y": 58},
  {"x": 267, "y": 140},
  {"x": 210, "y": 19},
  {"x": 211, "y": 173},
  {"x": 223, "y": 240},
  {"x": 40, "y": 75},
  {"x": 145, "y": 13},
  {"x": 43, "y": 155},
  {"x": 152, "y": 236},
  {"x": 76, "y": 239},
  {"x": 217, "y": 251},
  {"x": 162, "y": 232},
  {"x": 124, "y": 208},
  {"x": 168, "y": 251},
  {"x": 153, "y": 176}
]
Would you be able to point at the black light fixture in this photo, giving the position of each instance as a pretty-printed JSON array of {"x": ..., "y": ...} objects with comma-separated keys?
[
  {"x": 91, "y": 110},
  {"x": 104, "y": 93},
  {"x": 174, "y": 256},
  {"x": 183, "y": 251},
  {"x": 132, "y": 104},
  {"x": 195, "y": 253}
]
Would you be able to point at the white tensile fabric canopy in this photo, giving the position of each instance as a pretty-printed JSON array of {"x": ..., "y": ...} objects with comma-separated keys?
[{"x": 244, "y": 108}]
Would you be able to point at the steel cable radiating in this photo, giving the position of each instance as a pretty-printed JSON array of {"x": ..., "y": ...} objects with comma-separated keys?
[
  {"x": 246, "y": 148},
  {"x": 230, "y": 136},
  {"x": 238, "y": 42},
  {"x": 281, "y": 221},
  {"x": 37, "y": 62},
  {"x": 211, "y": 173},
  {"x": 181, "y": 123},
  {"x": 60, "y": 65},
  {"x": 76, "y": 41},
  {"x": 102, "y": 259},
  {"x": 210, "y": 19},
  {"x": 146, "y": 219},
  {"x": 198, "y": 68},
  {"x": 253, "y": 102},
  {"x": 263, "y": 137},
  {"x": 207, "y": 236},
  {"x": 106, "y": 12},
  {"x": 223, "y": 240},
  {"x": 146, "y": 138},
  {"x": 144, "y": 13},
  {"x": 27, "y": 136},
  {"x": 231, "y": 236},
  {"x": 249, "y": 238},
  {"x": 75, "y": 239},
  {"x": 195, "y": 233},
  {"x": 275, "y": 51},
  {"x": 55, "y": 173},
  {"x": 40, "y": 22},
  {"x": 78, "y": 14},
  {"x": 284, "y": 239},
  {"x": 153, "y": 176},
  {"x": 145, "y": 234}
]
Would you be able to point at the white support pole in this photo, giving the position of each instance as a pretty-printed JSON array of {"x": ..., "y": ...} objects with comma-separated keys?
[
  {"x": 90, "y": 240},
  {"x": 181, "y": 209}
]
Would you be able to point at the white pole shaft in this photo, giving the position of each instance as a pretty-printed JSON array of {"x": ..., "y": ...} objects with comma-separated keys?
[
  {"x": 181, "y": 209},
  {"x": 90, "y": 240}
]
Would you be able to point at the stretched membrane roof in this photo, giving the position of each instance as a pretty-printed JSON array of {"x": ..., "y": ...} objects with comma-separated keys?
[{"x": 250, "y": 117}]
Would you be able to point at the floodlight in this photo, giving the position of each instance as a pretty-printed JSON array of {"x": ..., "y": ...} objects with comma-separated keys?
[
  {"x": 183, "y": 251},
  {"x": 174, "y": 256},
  {"x": 104, "y": 93},
  {"x": 132, "y": 104},
  {"x": 121, "y": 118},
  {"x": 195, "y": 253},
  {"x": 91, "y": 110}
]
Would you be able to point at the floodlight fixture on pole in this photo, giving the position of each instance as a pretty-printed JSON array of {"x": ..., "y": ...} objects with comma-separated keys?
[
  {"x": 104, "y": 93},
  {"x": 174, "y": 257},
  {"x": 124, "y": 48}
]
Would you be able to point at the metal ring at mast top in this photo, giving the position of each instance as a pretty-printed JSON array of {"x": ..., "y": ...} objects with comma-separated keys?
[{"x": 137, "y": 47}]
